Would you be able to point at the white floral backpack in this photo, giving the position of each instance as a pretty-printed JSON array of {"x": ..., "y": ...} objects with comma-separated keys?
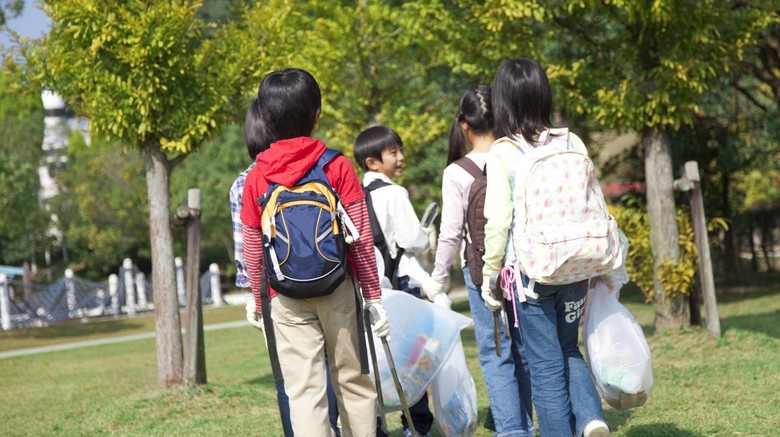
[{"x": 562, "y": 230}]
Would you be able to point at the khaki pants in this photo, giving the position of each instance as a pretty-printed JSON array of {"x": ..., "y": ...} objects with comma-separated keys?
[{"x": 303, "y": 327}]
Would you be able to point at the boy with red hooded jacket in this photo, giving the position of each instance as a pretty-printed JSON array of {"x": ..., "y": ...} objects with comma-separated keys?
[{"x": 282, "y": 119}]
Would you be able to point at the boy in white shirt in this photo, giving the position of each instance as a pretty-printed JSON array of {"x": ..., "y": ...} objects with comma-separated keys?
[{"x": 379, "y": 152}]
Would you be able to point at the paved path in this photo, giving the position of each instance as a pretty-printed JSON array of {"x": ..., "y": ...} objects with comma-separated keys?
[
  {"x": 96, "y": 342},
  {"x": 458, "y": 293}
]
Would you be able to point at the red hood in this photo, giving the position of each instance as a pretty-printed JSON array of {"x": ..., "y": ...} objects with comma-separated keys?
[{"x": 287, "y": 160}]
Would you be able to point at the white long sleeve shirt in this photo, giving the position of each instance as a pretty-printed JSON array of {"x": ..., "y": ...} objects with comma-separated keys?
[
  {"x": 400, "y": 225},
  {"x": 455, "y": 186}
]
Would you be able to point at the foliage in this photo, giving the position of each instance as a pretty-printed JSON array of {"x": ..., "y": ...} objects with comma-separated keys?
[
  {"x": 10, "y": 8},
  {"x": 678, "y": 278},
  {"x": 23, "y": 222},
  {"x": 212, "y": 168},
  {"x": 104, "y": 212},
  {"x": 396, "y": 77},
  {"x": 141, "y": 72}
]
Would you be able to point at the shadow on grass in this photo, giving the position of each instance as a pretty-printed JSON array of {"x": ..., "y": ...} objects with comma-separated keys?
[
  {"x": 266, "y": 380},
  {"x": 659, "y": 430},
  {"x": 768, "y": 323},
  {"x": 618, "y": 418}
]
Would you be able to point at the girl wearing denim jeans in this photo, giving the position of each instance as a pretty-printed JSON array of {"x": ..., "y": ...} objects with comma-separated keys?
[
  {"x": 506, "y": 376},
  {"x": 565, "y": 398}
]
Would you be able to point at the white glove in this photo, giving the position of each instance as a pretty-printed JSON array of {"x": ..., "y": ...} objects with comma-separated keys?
[
  {"x": 252, "y": 316},
  {"x": 490, "y": 302},
  {"x": 442, "y": 300},
  {"x": 378, "y": 316},
  {"x": 431, "y": 288}
]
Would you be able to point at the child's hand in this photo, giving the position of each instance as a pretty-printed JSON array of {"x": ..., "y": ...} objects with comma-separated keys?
[
  {"x": 432, "y": 288},
  {"x": 379, "y": 322},
  {"x": 487, "y": 296},
  {"x": 442, "y": 300},
  {"x": 252, "y": 316}
]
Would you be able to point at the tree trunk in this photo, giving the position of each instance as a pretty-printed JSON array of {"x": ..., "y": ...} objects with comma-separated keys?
[
  {"x": 170, "y": 358},
  {"x": 730, "y": 254},
  {"x": 670, "y": 313}
]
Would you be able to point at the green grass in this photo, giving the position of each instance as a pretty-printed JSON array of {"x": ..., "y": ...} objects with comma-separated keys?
[{"x": 703, "y": 386}]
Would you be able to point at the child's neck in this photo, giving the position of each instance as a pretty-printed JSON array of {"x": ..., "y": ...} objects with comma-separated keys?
[{"x": 481, "y": 143}]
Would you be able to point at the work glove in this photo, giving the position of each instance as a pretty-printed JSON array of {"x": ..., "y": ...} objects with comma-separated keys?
[
  {"x": 491, "y": 303},
  {"x": 378, "y": 317},
  {"x": 252, "y": 315},
  {"x": 434, "y": 291}
]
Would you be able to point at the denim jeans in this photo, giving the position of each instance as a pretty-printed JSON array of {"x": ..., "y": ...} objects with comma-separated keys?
[
  {"x": 563, "y": 391},
  {"x": 507, "y": 378}
]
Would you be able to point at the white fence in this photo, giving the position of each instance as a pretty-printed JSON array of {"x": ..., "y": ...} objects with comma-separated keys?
[{"x": 127, "y": 292}]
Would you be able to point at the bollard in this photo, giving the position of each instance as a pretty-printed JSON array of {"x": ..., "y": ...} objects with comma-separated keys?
[
  {"x": 70, "y": 289},
  {"x": 180, "y": 282},
  {"x": 140, "y": 284},
  {"x": 129, "y": 287},
  {"x": 113, "y": 291},
  {"x": 5, "y": 303},
  {"x": 216, "y": 287}
]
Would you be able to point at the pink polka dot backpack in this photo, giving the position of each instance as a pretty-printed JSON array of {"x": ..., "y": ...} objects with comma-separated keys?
[{"x": 562, "y": 230}]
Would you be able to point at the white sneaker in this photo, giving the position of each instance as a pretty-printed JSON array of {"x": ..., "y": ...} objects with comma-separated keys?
[{"x": 596, "y": 428}]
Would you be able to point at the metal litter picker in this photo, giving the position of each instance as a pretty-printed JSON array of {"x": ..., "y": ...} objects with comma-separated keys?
[{"x": 393, "y": 372}]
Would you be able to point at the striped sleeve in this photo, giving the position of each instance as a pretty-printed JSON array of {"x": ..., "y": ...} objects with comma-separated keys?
[
  {"x": 362, "y": 250},
  {"x": 253, "y": 257}
]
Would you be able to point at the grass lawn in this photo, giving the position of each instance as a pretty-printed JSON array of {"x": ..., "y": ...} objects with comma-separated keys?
[{"x": 703, "y": 386}]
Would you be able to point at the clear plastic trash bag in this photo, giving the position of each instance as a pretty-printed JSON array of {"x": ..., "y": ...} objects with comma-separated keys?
[
  {"x": 455, "y": 396},
  {"x": 616, "y": 350},
  {"x": 422, "y": 337}
]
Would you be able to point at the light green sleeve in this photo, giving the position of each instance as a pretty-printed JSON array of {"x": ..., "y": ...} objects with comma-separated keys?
[{"x": 499, "y": 207}]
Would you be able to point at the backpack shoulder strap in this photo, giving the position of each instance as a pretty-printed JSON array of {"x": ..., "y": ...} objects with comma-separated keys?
[
  {"x": 470, "y": 166},
  {"x": 327, "y": 156},
  {"x": 375, "y": 184}
]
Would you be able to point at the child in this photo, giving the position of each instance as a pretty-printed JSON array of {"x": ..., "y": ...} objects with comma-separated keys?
[
  {"x": 242, "y": 281},
  {"x": 379, "y": 152},
  {"x": 565, "y": 398},
  {"x": 283, "y": 118},
  {"x": 506, "y": 376}
]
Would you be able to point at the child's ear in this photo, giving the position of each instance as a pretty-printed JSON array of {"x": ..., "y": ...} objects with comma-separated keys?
[{"x": 371, "y": 163}]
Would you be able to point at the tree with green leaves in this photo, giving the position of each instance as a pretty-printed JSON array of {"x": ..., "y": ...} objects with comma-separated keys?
[
  {"x": 145, "y": 75},
  {"x": 10, "y": 8},
  {"x": 23, "y": 221}
]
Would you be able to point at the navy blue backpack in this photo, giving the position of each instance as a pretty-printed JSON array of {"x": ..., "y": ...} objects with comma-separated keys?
[{"x": 304, "y": 239}]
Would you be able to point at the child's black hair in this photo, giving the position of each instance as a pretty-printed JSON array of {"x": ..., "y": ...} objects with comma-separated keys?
[
  {"x": 522, "y": 100},
  {"x": 287, "y": 106},
  {"x": 476, "y": 110},
  {"x": 372, "y": 142}
]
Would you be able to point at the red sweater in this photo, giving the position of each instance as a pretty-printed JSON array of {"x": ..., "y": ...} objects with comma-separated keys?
[{"x": 284, "y": 163}]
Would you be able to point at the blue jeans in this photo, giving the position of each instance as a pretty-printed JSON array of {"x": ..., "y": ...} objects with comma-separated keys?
[
  {"x": 563, "y": 391},
  {"x": 284, "y": 405},
  {"x": 507, "y": 379}
]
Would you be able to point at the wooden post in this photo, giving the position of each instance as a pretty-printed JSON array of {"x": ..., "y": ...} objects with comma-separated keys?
[
  {"x": 194, "y": 348},
  {"x": 690, "y": 181},
  {"x": 27, "y": 281}
]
